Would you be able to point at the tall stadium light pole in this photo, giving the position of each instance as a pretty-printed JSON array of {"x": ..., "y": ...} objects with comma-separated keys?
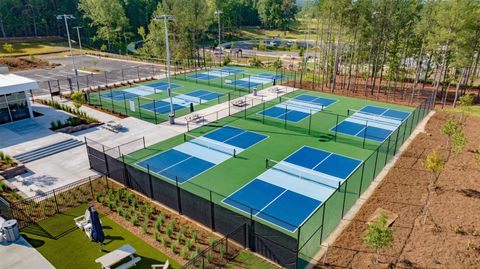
[
  {"x": 66, "y": 18},
  {"x": 171, "y": 116},
  {"x": 79, "y": 40},
  {"x": 218, "y": 13}
]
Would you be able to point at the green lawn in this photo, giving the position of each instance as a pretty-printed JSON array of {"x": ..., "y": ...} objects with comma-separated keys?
[
  {"x": 25, "y": 48},
  {"x": 283, "y": 140},
  {"x": 72, "y": 249}
]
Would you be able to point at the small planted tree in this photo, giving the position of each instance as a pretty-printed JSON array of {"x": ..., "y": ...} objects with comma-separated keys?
[
  {"x": 449, "y": 129},
  {"x": 379, "y": 236},
  {"x": 434, "y": 164},
  {"x": 227, "y": 60},
  {"x": 78, "y": 99},
  {"x": 458, "y": 142}
]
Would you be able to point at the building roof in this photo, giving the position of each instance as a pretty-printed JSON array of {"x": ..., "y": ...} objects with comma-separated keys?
[{"x": 11, "y": 83}]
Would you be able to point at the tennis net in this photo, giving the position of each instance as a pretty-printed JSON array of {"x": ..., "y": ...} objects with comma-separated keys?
[
  {"x": 372, "y": 117},
  {"x": 187, "y": 98},
  {"x": 303, "y": 174},
  {"x": 301, "y": 104},
  {"x": 210, "y": 144}
]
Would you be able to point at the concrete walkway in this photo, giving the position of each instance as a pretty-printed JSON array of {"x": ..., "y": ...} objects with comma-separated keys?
[{"x": 21, "y": 255}]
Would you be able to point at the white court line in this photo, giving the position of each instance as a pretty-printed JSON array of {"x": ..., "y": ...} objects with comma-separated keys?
[
  {"x": 271, "y": 202},
  {"x": 322, "y": 161}
]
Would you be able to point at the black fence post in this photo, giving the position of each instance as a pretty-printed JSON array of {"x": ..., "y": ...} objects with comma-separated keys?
[
  {"x": 323, "y": 221},
  {"x": 150, "y": 181},
  {"x": 344, "y": 197},
  {"x": 179, "y": 202},
  {"x": 375, "y": 166},
  {"x": 212, "y": 213},
  {"x": 91, "y": 187},
  {"x": 56, "y": 202},
  {"x": 361, "y": 180},
  {"x": 388, "y": 149}
]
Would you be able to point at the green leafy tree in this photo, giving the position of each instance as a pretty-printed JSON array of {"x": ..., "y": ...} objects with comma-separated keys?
[
  {"x": 226, "y": 60},
  {"x": 379, "y": 236},
  {"x": 108, "y": 17},
  {"x": 277, "y": 13},
  {"x": 142, "y": 33}
]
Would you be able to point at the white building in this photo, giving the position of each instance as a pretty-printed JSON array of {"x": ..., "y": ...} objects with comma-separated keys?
[{"x": 14, "y": 102}]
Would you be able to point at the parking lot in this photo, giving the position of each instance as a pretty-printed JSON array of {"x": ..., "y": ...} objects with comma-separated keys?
[{"x": 61, "y": 78}]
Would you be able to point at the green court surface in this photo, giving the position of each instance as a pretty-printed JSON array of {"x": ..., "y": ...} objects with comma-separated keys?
[
  {"x": 65, "y": 246},
  {"x": 149, "y": 102},
  {"x": 230, "y": 175},
  {"x": 295, "y": 209}
]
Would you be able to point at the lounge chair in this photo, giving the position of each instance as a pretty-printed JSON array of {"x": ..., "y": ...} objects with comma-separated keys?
[
  {"x": 83, "y": 221},
  {"x": 163, "y": 266}
]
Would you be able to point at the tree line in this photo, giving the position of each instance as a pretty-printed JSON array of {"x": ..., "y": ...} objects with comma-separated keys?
[
  {"x": 382, "y": 46},
  {"x": 116, "y": 21}
]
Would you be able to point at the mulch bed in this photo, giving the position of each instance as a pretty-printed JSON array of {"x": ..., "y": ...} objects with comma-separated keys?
[{"x": 450, "y": 236}]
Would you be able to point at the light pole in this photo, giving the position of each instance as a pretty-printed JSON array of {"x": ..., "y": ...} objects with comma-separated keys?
[
  {"x": 79, "y": 40},
  {"x": 171, "y": 116},
  {"x": 65, "y": 18},
  {"x": 218, "y": 13}
]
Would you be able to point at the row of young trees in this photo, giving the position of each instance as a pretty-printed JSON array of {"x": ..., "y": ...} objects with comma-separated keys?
[{"x": 384, "y": 46}]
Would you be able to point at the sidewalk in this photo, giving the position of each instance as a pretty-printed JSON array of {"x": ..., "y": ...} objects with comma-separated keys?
[{"x": 21, "y": 255}]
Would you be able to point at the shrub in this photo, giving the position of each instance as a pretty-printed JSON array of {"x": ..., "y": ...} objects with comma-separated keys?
[
  {"x": 171, "y": 225},
  {"x": 168, "y": 231},
  {"x": 145, "y": 226},
  {"x": 134, "y": 219},
  {"x": 188, "y": 243},
  {"x": 183, "y": 253},
  {"x": 193, "y": 255},
  {"x": 3, "y": 186},
  {"x": 379, "y": 235},
  {"x": 222, "y": 251},
  {"x": 155, "y": 235},
  {"x": 256, "y": 62},
  {"x": 194, "y": 236},
  {"x": 182, "y": 231},
  {"x": 178, "y": 237},
  {"x": 209, "y": 256},
  {"x": 8, "y": 48},
  {"x": 78, "y": 99},
  {"x": 173, "y": 247},
  {"x": 211, "y": 241},
  {"x": 159, "y": 222},
  {"x": 162, "y": 241},
  {"x": 227, "y": 60},
  {"x": 119, "y": 210}
]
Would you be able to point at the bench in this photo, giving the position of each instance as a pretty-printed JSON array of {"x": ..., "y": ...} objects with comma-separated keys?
[
  {"x": 193, "y": 117},
  {"x": 239, "y": 103},
  {"x": 130, "y": 263}
]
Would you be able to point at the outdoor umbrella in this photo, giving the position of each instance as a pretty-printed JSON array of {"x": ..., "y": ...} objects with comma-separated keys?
[{"x": 97, "y": 232}]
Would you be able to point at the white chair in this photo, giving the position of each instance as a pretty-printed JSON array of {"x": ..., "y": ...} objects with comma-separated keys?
[
  {"x": 83, "y": 221},
  {"x": 163, "y": 266}
]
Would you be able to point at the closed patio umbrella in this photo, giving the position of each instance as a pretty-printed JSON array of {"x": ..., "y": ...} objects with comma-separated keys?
[{"x": 97, "y": 232}]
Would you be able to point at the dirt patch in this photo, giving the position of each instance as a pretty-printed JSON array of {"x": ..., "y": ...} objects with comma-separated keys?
[
  {"x": 450, "y": 236},
  {"x": 18, "y": 64}
]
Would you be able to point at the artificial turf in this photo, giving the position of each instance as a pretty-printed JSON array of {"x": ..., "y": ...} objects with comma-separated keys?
[{"x": 65, "y": 246}]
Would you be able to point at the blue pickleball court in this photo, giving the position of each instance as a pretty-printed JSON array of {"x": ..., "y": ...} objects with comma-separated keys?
[{"x": 372, "y": 123}]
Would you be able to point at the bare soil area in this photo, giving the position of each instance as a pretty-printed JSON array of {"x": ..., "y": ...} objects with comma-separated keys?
[
  {"x": 444, "y": 234},
  {"x": 18, "y": 64}
]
